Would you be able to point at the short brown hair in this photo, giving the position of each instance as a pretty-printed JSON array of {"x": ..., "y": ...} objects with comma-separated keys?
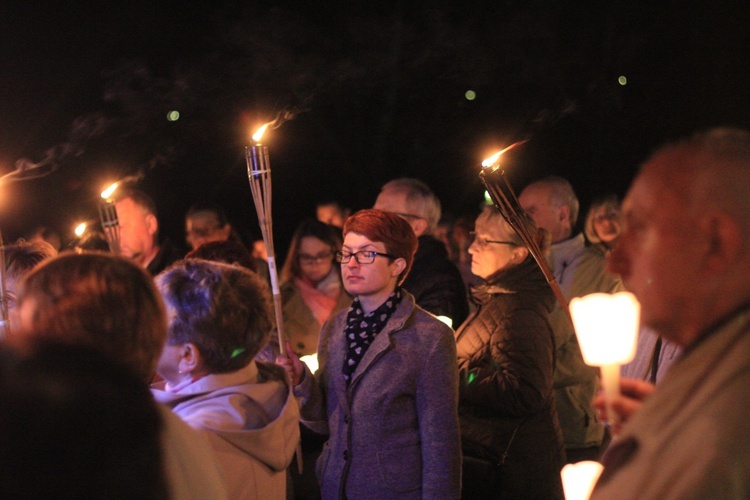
[
  {"x": 388, "y": 228},
  {"x": 23, "y": 256},
  {"x": 100, "y": 300},
  {"x": 223, "y": 309}
]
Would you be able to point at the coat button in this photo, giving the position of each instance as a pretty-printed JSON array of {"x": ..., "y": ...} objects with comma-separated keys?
[
  {"x": 346, "y": 419},
  {"x": 346, "y": 454}
]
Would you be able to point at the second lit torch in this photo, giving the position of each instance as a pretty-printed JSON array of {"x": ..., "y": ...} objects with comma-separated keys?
[{"x": 108, "y": 219}]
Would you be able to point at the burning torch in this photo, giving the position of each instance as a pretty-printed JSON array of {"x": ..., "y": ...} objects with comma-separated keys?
[
  {"x": 494, "y": 179},
  {"x": 108, "y": 219},
  {"x": 259, "y": 175}
]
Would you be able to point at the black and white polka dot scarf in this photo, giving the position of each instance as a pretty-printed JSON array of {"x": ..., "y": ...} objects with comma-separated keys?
[{"x": 362, "y": 328}]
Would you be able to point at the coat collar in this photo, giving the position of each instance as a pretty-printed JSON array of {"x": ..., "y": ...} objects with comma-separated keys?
[{"x": 383, "y": 342}]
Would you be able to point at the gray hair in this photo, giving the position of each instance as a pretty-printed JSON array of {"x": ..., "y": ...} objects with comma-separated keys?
[
  {"x": 492, "y": 218},
  {"x": 420, "y": 199},
  {"x": 561, "y": 194}
]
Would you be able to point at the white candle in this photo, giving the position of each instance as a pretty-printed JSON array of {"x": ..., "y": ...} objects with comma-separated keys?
[
  {"x": 607, "y": 330},
  {"x": 579, "y": 479}
]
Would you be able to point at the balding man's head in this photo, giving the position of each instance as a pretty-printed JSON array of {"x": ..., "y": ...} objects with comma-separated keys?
[
  {"x": 685, "y": 251},
  {"x": 553, "y": 205}
]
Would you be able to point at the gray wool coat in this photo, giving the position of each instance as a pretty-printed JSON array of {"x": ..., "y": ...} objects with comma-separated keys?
[{"x": 393, "y": 433}]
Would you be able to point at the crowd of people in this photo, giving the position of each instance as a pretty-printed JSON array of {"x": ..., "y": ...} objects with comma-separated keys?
[{"x": 424, "y": 359}]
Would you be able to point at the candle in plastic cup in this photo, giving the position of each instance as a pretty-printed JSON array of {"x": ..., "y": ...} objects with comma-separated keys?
[
  {"x": 579, "y": 479},
  {"x": 606, "y": 326},
  {"x": 607, "y": 329}
]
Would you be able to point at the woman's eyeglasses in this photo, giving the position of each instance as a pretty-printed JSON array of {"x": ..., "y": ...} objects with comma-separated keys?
[
  {"x": 308, "y": 260},
  {"x": 362, "y": 257},
  {"x": 481, "y": 242}
]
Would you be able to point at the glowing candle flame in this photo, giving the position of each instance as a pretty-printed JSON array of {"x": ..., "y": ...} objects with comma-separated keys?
[
  {"x": 107, "y": 193},
  {"x": 80, "y": 229},
  {"x": 259, "y": 133},
  {"x": 492, "y": 160}
]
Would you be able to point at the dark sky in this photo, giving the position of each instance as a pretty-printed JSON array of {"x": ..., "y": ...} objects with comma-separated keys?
[{"x": 373, "y": 93}]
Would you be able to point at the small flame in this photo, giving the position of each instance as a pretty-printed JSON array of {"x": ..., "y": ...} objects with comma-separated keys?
[
  {"x": 80, "y": 229},
  {"x": 492, "y": 160},
  {"x": 259, "y": 133},
  {"x": 107, "y": 193}
]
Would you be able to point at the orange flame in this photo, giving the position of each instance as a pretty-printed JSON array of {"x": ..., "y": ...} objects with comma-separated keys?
[
  {"x": 259, "y": 133},
  {"x": 492, "y": 160},
  {"x": 80, "y": 229},
  {"x": 107, "y": 193}
]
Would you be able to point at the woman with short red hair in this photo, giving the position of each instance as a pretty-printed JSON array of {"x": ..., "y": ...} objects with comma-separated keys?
[{"x": 386, "y": 389}]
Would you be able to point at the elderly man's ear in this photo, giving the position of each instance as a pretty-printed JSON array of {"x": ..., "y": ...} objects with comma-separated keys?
[
  {"x": 723, "y": 241},
  {"x": 152, "y": 224}
]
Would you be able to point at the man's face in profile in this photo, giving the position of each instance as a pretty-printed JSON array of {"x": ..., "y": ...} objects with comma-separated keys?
[
  {"x": 657, "y": 257},
  {"x": 137, "y": 231}
]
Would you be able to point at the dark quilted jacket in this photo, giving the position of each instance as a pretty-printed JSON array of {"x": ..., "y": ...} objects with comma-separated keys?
[
  {"x": 436, "y": 282},
  {"x": 505, "y": 358}
]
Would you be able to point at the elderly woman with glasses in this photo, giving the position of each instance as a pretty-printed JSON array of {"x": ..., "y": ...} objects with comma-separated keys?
[
  {"x": 386, "y": 389},
  {"x": 311, "y": 289},
  {"x": 511, "y": 439}
]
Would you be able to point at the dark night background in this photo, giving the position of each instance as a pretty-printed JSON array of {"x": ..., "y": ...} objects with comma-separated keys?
[{"x": 372, "y": 92}]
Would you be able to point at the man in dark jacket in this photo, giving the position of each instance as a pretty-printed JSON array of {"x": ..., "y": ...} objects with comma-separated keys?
[{"x": 434, "y": 280}]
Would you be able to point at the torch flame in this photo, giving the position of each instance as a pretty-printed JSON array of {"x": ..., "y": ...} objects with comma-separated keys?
[
  {"x": 80, "y": 229},
  {"x": 259, "y": 133},
  {"x": 492, "y": 160},
  {"x": 107, "y": 193}
]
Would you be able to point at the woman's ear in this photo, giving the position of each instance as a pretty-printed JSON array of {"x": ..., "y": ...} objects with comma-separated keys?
[
  {"x": 190, "y": 358},
  {"x": 519, "y": 255},
  {"x": 398, "y": 268}
]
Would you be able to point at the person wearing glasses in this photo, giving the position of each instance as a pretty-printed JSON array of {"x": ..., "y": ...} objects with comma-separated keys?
[
  {"x": 386, "y": 389},
  {"x": 511, "y": 439},
  {"x": 311, "y": 289},
  {"x": 311, "y": 292}
]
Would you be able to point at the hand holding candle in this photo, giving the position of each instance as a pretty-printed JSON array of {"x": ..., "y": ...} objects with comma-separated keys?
[{"x": 607, "y": 330}]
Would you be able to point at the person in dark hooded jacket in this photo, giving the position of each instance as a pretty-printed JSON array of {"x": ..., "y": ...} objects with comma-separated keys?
[{"x": 511, "y": 439}]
